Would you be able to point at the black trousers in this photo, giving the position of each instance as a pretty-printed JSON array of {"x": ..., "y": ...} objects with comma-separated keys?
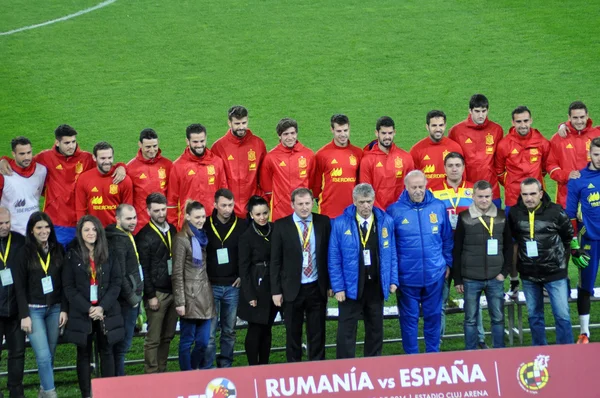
[
  {"x": 370, "y": 306},
  {"x": 258, "y": 340},
  {"x": 85, "y": 355},
  {"x": 310, "y": 302},
  {"x": 10, "y": 329}
]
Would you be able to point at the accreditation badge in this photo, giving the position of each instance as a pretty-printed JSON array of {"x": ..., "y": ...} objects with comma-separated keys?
[
  {"x": 367, "y": 257},
  {"x": 532, "y": 249},
  {"x": 93, "y": 293},
  {"x": 170, "y": 266},
  {"x": 222, "y": 256},
  {"x": 6, "y": 277},
  {"x": 492, "y": 247},
  {"x": 47, "y": 286}
]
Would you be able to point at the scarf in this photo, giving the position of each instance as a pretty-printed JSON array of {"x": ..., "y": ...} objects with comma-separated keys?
[{"x": 199, "y": 240}]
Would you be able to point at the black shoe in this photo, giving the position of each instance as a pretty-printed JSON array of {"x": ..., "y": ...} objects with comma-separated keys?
[{"x": 482, "y": 345}]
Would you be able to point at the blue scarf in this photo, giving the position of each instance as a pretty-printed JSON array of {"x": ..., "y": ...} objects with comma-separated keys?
[{"x": 199, "y": 240}]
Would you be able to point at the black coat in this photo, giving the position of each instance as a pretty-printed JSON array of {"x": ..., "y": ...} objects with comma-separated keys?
[
  {"x": 8, "y": 299},
  {"x": 286, "y": 256},
  {"x": 255, "y": 257},
  {"x": 154, "y": 255},
  {"x": 123, "y": 251},
  {"x": 76, "y": 284},
  {"x": 223, "y": 274}
]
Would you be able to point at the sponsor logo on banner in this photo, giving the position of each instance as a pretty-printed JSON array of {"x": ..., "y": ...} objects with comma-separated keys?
[
  {"x": 220, "y": 388},
  {"x": 113, "y": 189},
  {"x": 533, "y": 376}
]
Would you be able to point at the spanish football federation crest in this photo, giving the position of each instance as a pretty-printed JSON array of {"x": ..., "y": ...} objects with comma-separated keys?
[
  {"x": 251, "y": 155},
  {"x": 433, "y": 218},
  {"x": 353, "y": 161},
  {"x": 398, "y": 162},
  {"x": 444, "y": 154},
  {"x": 489, "y": 139},
  {"x": 533, "y": 376},
  {"x": 302, "y": 162},
  {"x": 113, "y": 189},
  {"x": 162, "y": 173},
  {"x": 384, "y": 232},
  {"x": 210, "y": 170},
  {"x": 78, "y": 168}
]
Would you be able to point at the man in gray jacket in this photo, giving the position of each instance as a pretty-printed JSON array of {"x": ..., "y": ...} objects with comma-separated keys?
[{"x": 482, "y": 259}]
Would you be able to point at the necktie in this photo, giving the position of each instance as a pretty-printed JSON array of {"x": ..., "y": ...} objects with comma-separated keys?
[
  {"x": 364, "y": 229},
  {"x": 307, "y": 249}
]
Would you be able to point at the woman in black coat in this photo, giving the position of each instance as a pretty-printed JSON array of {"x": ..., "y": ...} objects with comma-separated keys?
[
  {"x": 92, "y": 283},
  {"x": 256, "y": 305}
]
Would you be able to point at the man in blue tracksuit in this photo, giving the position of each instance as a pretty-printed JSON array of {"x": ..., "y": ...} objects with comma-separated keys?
[
  {"x": 363, "y": 270},
  {"x": 585, "y": 191},
  {"x": 424, "y": 245}
]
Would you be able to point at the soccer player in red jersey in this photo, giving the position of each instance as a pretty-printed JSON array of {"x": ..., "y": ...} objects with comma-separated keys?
[
  {"x": 523, "y": 153},
  {"x": 196, "y": 175},
  {"x": 478, "y": 137},
  {"x": 429, "y": 153},
  {"x": 95, "y": 191},
  {"x": 384, "y": 164},
  {"x": 336, "y": 169},
  {"x": 286, "y": 167},
  {"x": 149, "y": 172},
  {"x": 242, "y": 153}
]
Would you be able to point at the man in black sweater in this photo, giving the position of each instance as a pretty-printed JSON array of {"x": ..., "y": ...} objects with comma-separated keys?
[{"x": 223, "y": 230}]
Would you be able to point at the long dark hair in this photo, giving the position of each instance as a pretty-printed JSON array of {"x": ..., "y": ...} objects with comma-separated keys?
[
  {"x": 100, "y": 253},
  {"x": 32, "y": 246}
]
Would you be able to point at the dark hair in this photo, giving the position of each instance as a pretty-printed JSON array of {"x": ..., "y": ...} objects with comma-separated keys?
[
  {"x": 20, "y": 140},
  {"x": 101, "y": 146},
  {"x": 64, "y": 130},
  {"x": 520, "y": 109},
  {"x": 253, "y": 202},
  {"x": 223, "y": 193},
  {"x": 156, "y": 197},
  {"x": 384, "y": 121},
  {"x": 32, "y": 247},
  {"x": 148, "y": 134},
  {"x": 433, "y": 114},
  {"x": 533, "y": 181},
  {"x": 195, "y": 128},
  {"x": 100, "y": 254},
  {"x": 121, "y": 207},
  {"x": 454, "y": 155},
  {"x": 479, "y": 101},
  {"x": 481, "y": 185},
  {"x": 192, "y": 205},
  {"x": 340, "y": 120},
  {"x": 577, "y": 105},
  {"x": 285, "y": 124},
  {"x": 595, "y": 142},
  {"x": 237, "y": 111},
  {"x": 301, "y": 192}
]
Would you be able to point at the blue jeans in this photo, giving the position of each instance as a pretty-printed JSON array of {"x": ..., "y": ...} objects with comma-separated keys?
[
  {"x": 494, "y": 293},
  {"x": 64, "y": 235},
  {"x": 534, "y": 298},
  {"x": 226, "y": 304},
  {"x": 43, "y": 339},
  {"x": 129, "y": 315},
  {"x": 196, "y": 332},
  {"x": 445, "y": 296}
]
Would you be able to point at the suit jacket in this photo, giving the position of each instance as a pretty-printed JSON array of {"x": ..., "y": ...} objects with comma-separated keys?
[{"x": 286, "y": 256}]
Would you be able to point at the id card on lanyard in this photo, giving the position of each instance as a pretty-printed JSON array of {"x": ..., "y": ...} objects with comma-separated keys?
[
  {"x": 492, "y": 244},
  {"x": 364, "y": 240},
  {"x": 531, "y": 245},
  {"x": 222, "y": 253},
  {"x": 47, "y": 286},
  {"x": 6, "y": 274},
  {"x": 93, "y": 283},
  {"x": 452, "y": 213},
  {"x": 168, "y": 245}
]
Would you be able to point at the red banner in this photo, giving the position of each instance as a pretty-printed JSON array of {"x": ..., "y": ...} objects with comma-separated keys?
[{"x": 548, "y": 371}]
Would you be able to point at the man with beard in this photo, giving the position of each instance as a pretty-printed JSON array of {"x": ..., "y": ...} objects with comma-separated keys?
[
  {"x": 197, "y": 174},
  {"x": 242, "y": 153},
  {"x": 20, "y": 192},
  {"x": 429, "y": 153},
  {"x": 95, "y": 191},
  {"x": 384, "y": 165}
]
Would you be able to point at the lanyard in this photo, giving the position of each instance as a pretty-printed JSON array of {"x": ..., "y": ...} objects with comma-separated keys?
[
  {"x": 45, "y": 265},
  {"x": 365, "y": 239},
  {"x": 304, "y": 242},
  {"x": 132, "y": 242},
  {"x": 265, "y": 237},
  {"x": 532, "y": 221},
  {"x": 5, "y": 257},
  {"x": 162, "y": 237},
  {"x": 490, "y": 229},
  {"x": 456, "y": 193},
  {"x": 212, "y": 225},
  {"x": 93, "y": 270}
]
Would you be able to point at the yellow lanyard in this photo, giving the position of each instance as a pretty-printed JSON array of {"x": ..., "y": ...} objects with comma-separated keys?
[
  {"x": 305, "y": 242},
  {"x": 5, "y": 257},
  {"x": 162, "y": 237},
  {"x": 456, "y": 193},
  {"x": 45, "y": 265},
  {"x": 365, "y": 239},
  {"x": 212, "y": 225},
  {"x": 490, "y": 229},
  {"x": 132, "y": 242},
  {"x": 532, "y": 221}
]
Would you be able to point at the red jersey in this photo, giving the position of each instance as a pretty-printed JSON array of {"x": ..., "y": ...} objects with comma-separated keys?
[
  {"x": 429, "y": 157},
  {"x": 334, "y": 177},
  {"x": 569, "y": 154},
  {"x": 479, "y": 143},
  {"x": 195, "y": 178},
  {"x": 147, "y": 176},
  {"x": 385, "y": 172},
  {"x": 242, "y": 158},
  {"x": 284, "y": 170},
  {"x": 96, "y": 194},
  {"x": 518, "y": 158}
]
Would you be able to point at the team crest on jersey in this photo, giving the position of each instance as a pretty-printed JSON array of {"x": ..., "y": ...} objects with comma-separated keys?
[
  {"x": 489, "y": 139},
  {"x": 587, "y": 145},
  {"x": 210, "y": 170},
  {"x": 162, "y": 173},
  {"x": 533, "y": 151},
  {"x": 251, "y": 155},
  {"x": 302, "y": 162},
  {"x": 468, "y": 192},
  {"x": 398, "y": 162},
  {"x": 78, "y": 168},
  {"x": 353, "y": 161},
  {"x": 433, "y": 218},
  {"x": 384, "y": 232},
  {"x": 444, "y": 154},
  {"x": 113, "y": 189}
]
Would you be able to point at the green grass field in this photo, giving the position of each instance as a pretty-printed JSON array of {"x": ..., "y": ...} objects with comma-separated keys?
[{"x": 135, "y": 64}]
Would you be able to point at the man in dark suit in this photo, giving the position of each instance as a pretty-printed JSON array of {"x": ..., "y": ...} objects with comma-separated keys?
[{"x": 299, "y": 276}]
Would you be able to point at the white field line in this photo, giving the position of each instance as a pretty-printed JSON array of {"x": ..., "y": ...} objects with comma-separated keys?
[{"x": 78, "y": 13}]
